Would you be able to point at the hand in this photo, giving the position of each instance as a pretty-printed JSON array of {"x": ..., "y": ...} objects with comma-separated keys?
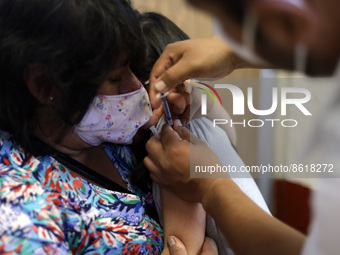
[
  {"x": 186, "y": 59},
  {"x": 176, "y": 247},
  {"x": 170, "y": 158},
  {"x": 179, "y": 104},
  {"x": 184, "y": 102}
]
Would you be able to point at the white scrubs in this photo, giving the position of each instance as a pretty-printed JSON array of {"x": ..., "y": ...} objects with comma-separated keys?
[{"x": 324, "y": 232}]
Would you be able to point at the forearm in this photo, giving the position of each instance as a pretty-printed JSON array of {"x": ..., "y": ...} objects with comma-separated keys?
[
  {"x": 247, "y": 228},
  {"x": 184, "y": 220}
]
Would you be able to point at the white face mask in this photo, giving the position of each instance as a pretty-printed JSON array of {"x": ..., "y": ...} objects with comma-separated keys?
[
  {"x": 115, "y": 118},
  {"x": 246, "y": 49}
]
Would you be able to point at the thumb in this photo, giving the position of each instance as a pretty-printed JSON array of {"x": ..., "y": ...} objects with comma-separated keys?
[
  {"x": 209, "y": 247},
  {"x": 174, "y": 76},
  {"x": 169, "y": 71},
  {"x": 176, "y": 247}
]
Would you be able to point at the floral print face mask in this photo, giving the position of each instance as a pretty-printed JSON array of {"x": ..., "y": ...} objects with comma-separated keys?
[{"x": 116, "y": 118}]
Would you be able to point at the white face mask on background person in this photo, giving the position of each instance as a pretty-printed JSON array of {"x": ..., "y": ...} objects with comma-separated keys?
[
  {"x": 115, "y": 118},
  {"x": 245, "y": 49}
]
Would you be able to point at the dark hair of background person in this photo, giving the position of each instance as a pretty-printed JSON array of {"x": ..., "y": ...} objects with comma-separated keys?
[
  {"x": 158, "y": 32},
  {"x": 78, "y": 43}
]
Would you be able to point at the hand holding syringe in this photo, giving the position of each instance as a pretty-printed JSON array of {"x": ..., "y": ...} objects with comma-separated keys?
[
  {"x": 167, "y": 114},
  {"x": 166, "y": 108}
]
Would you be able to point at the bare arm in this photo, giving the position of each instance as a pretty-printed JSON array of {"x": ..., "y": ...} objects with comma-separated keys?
[
  {"x": 196, "y": 58},
  {"x": 247, "y": 228},
  {"x": 184, "y": 220}
]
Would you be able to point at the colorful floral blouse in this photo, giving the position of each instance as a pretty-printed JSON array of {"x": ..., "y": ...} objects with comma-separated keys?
[{"x": 46, "y": 209}]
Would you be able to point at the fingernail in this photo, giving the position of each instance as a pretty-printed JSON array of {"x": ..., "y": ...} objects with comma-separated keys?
[
  {"x": 160, "y": 86},
  {"x": 171, "y": 241},
  {"x": 178, "y": 122}
]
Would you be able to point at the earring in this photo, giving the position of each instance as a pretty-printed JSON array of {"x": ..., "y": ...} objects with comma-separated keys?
[{"x": 51, "y": 98}]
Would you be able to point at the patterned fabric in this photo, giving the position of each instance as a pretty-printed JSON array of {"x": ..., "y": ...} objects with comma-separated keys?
[
  {"x": 46, "y": 209},
  {"x": 131, "y": 111}
]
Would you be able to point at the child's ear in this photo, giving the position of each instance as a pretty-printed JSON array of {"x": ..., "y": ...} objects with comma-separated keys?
[{"x": 39, "y": 83}]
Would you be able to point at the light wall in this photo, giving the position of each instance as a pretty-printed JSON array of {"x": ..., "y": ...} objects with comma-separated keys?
[{"x": 195, "y": 23}]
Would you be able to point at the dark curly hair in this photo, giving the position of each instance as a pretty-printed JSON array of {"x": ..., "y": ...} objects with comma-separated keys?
[
  {"x": 78, "y": 41},
  {"x": 158, "y": 32}
]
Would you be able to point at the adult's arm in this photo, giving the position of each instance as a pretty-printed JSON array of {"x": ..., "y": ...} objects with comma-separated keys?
[
  {"x": 247, "y": 228},
  {"x": 197, "y": 58}
]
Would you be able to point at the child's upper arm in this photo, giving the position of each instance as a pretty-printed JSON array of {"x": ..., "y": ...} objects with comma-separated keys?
[{"x": 183, "y": 220}]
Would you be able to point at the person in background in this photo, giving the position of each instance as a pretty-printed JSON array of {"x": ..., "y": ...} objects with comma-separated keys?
[
  {"x": 159, "y": 31},
  {"x": 295, "y": 35}
]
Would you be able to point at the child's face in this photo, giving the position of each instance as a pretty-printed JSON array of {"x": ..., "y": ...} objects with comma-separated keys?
[
  {"x": 120, "y": 80},
  {"x": 120, "y": 108}
]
